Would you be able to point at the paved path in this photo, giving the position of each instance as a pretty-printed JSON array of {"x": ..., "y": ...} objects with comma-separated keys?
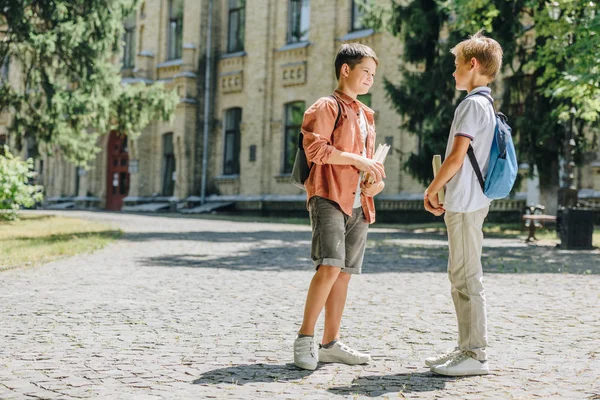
[{"x": 191, "y": 308}]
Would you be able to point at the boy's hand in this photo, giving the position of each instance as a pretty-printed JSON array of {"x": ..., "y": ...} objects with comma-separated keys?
[
  {"x": 371, "y": 189},
  {"x": 371, "y": 167},
  {"x": 430, "y": 202}
]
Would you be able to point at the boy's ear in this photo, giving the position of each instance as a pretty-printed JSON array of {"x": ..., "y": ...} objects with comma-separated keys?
[
  {"x": 474, "y": 63},
  {"x": 345, "y": 70}
]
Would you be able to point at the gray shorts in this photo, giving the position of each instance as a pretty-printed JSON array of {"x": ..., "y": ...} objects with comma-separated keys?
[{"x": 338, "y": 240}]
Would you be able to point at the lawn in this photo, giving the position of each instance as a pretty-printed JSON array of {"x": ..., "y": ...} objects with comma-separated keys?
[{"x": 34, "y": 240}]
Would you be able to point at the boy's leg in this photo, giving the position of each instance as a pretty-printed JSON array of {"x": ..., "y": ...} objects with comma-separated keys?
[
  {"x": 334, "y": 308},
  {"x": 328, "y": 253},
  {"x": 356, "y": 239},
  {"x": 319, "y": 292},
  {"x": 465, "y": 240}
]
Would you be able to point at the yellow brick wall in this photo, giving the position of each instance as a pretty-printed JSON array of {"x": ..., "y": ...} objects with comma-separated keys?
[{"x": 253, "y": 81}]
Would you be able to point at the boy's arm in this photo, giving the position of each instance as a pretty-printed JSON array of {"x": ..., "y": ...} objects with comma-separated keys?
[
  {"x": 449, "y": 168},
  {"x": 317, "y": 128}
]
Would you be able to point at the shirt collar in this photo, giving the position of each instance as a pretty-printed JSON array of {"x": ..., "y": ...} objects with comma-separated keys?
[
  {"x": 480, "y": 89},
  {"x": 349, "y": 100}
]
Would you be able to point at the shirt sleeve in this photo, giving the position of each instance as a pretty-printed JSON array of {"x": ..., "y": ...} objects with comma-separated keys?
[
  {"x": 317, "y": 129},
  {"x": 469, "y": 117}
]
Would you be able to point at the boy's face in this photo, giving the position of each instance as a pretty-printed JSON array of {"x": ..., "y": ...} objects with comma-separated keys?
[
  {"x": 463, "y": 72},
  {"x": 360, "y": 78}
]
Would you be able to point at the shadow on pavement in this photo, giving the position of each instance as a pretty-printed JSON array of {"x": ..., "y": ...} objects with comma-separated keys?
[
  {"x": 386, "y": 252},
  {"x": 252, "y": 373},
  {"x": 374, "y": 386}
]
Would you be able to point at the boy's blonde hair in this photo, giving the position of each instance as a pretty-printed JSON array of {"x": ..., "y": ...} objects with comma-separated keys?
[{"x": 485, "y": 50}]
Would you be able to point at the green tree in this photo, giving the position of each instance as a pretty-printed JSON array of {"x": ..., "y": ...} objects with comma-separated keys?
[
  {"x": 70, "y": 91},
  {"x": 15, "y": 190},
  {"x": 551, "y": 85}
]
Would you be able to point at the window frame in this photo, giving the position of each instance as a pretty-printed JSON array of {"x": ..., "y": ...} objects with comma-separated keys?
[
  {"x": 232, "y": 166},
  {"x": 168, "y": 185},
  {"x": 295, "y": 19},
  {"x": 239, "y": 13},
  {"x": 291, "y": 131},
  {"x": 355, "y": 25},
  {"x": 175, "y": 31}
]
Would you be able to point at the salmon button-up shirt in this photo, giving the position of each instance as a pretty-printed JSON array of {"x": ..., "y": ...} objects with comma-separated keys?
[{"x": 337, "y": 182}]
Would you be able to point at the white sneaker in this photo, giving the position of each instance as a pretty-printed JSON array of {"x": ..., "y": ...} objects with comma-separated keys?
[
  {"x": 305, "y": 353},
  {"x": 462, "y": 365},
  {"x": 340, "y": 353},
  {"x": 442, "y": 358}
]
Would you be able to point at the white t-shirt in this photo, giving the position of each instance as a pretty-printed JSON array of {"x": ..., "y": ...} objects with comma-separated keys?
[
  {"x": 362, "y": 122},
  {"x": 474, "y": 118}
]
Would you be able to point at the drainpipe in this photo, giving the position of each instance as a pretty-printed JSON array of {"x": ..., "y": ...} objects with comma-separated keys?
[{"x": 206, "y": 102}]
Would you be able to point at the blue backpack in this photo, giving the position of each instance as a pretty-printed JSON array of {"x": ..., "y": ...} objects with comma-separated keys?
[{"x": 503, "y": 166}]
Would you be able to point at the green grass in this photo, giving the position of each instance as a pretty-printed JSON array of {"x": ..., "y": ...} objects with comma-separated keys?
[{"x": 35, "y": 240}]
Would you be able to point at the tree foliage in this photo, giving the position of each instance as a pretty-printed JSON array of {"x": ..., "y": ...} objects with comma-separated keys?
[
  {"x": 69, "y": 90},
  {"x": 551, "y": 73},
  {"x": 15, "y": 190}
]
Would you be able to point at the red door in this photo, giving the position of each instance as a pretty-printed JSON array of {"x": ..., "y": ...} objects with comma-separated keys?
[{"x": 117, "y": 177}]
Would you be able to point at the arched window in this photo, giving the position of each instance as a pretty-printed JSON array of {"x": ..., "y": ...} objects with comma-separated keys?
[{"x": 294, "y": 112}]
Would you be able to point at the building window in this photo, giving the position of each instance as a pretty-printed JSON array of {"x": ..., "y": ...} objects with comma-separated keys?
[
  {"x": 358, "y": 13},
  {"x": 235, "y": 33},
  {"x": 168, "y": 165},
  {"x": 129, "y": 39},
  {"x": 175, "y": 30},
  {"x": 298, "y": 21},
  {"x": 294, "y": 112},
  {"x": 4, "y": 69},
  {"x": 231, "y": 156},
  {"x": 3, "y": 142}
]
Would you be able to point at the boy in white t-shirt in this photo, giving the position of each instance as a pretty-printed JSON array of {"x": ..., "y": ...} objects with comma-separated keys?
[{"x": 478, "y": 59}]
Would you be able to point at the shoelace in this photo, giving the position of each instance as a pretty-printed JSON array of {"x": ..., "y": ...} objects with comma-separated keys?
[
  {"x": 450, "y": 353},
  {"x": 460, "y": 358}
]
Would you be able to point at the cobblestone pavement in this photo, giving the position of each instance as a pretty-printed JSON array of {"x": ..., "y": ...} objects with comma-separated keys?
[{"x": 193, "y": 308}]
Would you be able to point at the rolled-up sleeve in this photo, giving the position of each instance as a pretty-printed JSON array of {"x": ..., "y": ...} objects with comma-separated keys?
[{"x": 317, "y": 128}]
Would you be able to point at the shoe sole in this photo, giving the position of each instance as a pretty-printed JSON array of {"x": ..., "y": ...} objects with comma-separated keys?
[
  {"x": 465, "y": 373},
  {"x": 305, "y": 366},
  {"x": 432, "y": 364},
  {"x": 332, "y": 361}
]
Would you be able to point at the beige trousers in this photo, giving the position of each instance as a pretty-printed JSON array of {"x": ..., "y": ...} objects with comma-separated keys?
[{"x": 465, "y": 243}]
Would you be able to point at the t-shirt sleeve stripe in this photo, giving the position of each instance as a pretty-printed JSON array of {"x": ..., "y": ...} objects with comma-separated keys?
[{"x": 464, "y": 134}]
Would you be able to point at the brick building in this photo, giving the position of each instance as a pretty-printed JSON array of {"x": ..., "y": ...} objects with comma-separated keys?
[{"x": 270, "y": 60}]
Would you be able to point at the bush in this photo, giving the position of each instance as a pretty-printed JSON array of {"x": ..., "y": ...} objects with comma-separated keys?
[{"x": 15, "y": 190}]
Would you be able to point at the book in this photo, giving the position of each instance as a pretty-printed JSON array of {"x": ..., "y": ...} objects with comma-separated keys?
[
  {"x": 380, "y": 155},
  {"x": 437, "y": 164}
]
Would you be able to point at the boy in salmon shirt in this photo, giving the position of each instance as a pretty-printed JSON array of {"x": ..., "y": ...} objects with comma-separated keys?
[{"x": 340, "y": 203}]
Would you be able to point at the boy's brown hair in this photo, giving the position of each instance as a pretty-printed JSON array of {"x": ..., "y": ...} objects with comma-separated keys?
[
  {"x": 485, "y": 50},
  {"x": 352, "y": 54}
]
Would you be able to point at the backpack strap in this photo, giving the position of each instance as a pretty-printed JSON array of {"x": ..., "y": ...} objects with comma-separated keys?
[
  {"x": 339, "y": 111},
  {"x": 471, "y": 152},
  {"x": 487, "y": 97},
  {"x": 475, "y": 165}
]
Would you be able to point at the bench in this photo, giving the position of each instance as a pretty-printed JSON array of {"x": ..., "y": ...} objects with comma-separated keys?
[{"x": 536, "y": 220}]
